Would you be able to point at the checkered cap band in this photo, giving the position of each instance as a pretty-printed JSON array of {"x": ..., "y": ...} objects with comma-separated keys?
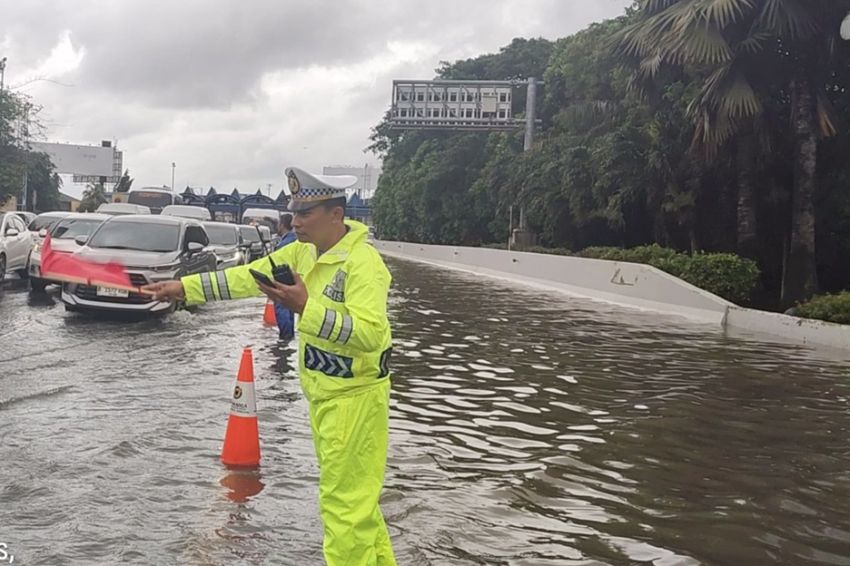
[{"x": 324, "y": 193}]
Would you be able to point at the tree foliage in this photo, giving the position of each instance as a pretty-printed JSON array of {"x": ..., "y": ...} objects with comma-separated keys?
[
  {"x": 684, "y": 123},
  {"x": 93, "y": 197},
  {"x": 20, "y": 167},
  {"x": 124, "y": 184}
]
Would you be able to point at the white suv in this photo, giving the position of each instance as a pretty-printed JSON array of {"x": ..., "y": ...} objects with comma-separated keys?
[{"x": 15, "y": 245}]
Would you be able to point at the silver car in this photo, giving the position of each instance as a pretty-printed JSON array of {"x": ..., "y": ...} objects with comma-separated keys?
[
  {"x": 43, "y": 222},
  {"x": 15, "y": 244},
  {"x": 154, "y": 248},
  {"x": 254, "y": 245},
  {"x": 63, "y": 234},
  {"x": 226, "y": 243}
]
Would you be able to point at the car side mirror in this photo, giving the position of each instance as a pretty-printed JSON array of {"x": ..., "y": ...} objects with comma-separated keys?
[
  {"x": 12, "y": 232},
  {"x": 42, "y": 233},
  {"x": 194, "y": 248},
  {"x": 81, "y": 240}
]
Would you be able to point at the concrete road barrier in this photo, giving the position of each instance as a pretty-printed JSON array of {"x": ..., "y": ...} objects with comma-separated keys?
[{"x": 629, "y": 284}]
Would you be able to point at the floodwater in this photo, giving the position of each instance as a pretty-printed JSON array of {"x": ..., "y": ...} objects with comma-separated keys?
[{"x": 527, "y": 429}]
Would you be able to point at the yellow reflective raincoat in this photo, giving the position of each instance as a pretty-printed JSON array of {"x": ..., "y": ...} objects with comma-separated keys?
[{"x": 344, "y": 349}]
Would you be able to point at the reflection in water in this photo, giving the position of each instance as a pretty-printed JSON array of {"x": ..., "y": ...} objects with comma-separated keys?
[
  {"x": 242, "y": 484},
  {"x": 527, "y": 429}
]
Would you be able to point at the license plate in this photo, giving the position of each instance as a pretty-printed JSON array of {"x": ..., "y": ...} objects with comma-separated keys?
[{"x": 113, "y": 293}]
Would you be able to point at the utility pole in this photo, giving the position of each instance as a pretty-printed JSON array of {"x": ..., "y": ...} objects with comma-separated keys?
[
  {"x": 2, "y": 72},
  {"x": 173, "y": 167},
  {"x": 521, "y": 236}
]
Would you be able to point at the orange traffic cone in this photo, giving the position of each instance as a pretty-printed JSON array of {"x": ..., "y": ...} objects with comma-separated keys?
[
  {"x": 269, "y": 318},
  {"x": 242, "y": 439}
]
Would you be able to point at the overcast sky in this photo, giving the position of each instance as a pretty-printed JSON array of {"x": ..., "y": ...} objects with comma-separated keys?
[{"x": 234, "y": 91}]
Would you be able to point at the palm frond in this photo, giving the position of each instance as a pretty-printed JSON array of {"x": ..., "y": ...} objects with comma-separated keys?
[
  {"x": 698, "y": 44},
  {"x": 753, "y": 43},
  {"x": 654, "y": 6},
  {"x": 788, "y": 18},
  {"x": 722, "y": 13}
]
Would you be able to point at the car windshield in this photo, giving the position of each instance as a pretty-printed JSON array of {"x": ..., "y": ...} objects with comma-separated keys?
[
  {"x": 142, "y": 236},
  {"x": 250, "y": 234},
  {"x": 42, "y": 223},
  {"x": 70, "y": 228},
  {"x": 221, "y": 235}
]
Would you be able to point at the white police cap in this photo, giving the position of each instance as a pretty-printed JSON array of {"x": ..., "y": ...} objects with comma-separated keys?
[{"x": 309, "y": 190}]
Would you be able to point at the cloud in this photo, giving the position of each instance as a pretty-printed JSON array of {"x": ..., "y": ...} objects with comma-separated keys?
[{"x": 235, "y": 91}]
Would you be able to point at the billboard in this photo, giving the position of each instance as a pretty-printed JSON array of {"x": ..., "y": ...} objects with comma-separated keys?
[
  {"x": 451, "y": 104},
  {"x": 80, "y": 160}
]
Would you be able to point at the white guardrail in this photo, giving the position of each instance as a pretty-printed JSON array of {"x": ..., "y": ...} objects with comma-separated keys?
[{"x": 628, "y": 284}]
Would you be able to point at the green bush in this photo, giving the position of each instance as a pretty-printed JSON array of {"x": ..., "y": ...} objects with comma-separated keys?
[
  {"x": 642, "y": 254},
  {"x": 532, "y": 249},
  {"x": 728, "y": 275},
  {"x": 552, "y": 251},
  {"x": 831, "y": 308}
]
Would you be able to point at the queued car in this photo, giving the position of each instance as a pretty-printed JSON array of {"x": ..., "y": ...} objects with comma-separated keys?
[
  {"x": 122, "y": 208},
  {"x": 185, "y": 211},
  {"x": 226, "y": 244},
  {"x": 43, "y": 222},
  {"x": 153, "y": 248},
  {"x": 16, "y": 243},
  {"x": 63, "y": 235},
  {"x": 255, "y": 248},
  {"x": 27, "y": 217}
]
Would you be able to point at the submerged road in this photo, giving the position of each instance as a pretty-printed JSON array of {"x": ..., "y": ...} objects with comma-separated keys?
[{"x": 527, "y": 429}]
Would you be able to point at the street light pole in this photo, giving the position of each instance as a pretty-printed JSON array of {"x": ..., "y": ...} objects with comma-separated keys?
[
  {"x": 522, "y": 238},
  {"x": 173, "y": 167},
  {"x": 2, "y": 72}
]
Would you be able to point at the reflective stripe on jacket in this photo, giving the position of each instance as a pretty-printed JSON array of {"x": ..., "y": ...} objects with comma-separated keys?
[{"x": 345, "y": 340}]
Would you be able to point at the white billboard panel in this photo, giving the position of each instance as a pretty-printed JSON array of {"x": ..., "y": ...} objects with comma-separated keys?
[
  {"x": 73, "y": 159},
  {"x": 455, "y": 105}
]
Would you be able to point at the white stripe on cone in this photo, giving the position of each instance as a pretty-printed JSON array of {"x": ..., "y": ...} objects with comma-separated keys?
[{"x": 243, "y": 403}]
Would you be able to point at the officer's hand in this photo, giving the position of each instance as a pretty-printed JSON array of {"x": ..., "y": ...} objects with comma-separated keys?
[
  {"x": 293, "y": 297},
  {"x": 166, "y": 290}
]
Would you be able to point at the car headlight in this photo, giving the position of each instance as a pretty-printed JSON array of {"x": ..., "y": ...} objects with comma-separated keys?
[{"x": 165, "y": 268}]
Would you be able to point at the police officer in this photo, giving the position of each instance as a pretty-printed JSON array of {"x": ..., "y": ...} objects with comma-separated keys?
[{"x": 340, "y": 295}]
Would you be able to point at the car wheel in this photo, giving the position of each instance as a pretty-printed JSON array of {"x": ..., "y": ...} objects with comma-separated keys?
[
  {"x": 38, "y": 285},
  {"x": 2, "y": 267},
  {"x": 23, "y": 273}
]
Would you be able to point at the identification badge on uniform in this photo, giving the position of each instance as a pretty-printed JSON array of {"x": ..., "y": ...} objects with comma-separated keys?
[{"x": 336, "y": 290}]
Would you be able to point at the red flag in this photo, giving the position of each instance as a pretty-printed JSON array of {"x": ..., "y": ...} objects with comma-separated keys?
[{"x": 73, "y": 269}]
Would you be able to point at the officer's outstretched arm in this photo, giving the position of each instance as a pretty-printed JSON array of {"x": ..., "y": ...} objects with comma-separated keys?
[
  {"x": 234, "y": 283},
  {"x": 365, "y": 326}
]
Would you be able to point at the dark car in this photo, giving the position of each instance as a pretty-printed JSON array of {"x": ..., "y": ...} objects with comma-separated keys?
[
  {"x": 154, "y": 248},
  {"x": 255, "y": 246}
]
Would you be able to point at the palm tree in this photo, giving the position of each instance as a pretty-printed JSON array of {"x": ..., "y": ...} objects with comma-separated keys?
[{"x": 745, "y": 49}]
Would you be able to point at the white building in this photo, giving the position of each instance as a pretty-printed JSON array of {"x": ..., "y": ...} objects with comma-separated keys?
[{"x": 367, "y": 178}]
